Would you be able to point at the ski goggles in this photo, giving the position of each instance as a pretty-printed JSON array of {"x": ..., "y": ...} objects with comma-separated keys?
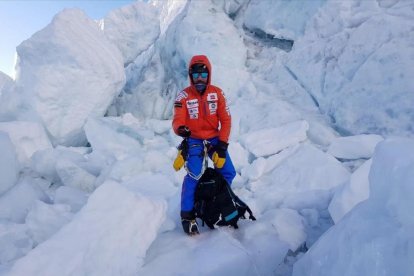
[{"x": 196, "y": 75}]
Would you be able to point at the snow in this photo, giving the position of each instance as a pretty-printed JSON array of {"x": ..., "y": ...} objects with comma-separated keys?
[
  {"x": 289, "y": 225},
  {"x": 18, "y": 201},
  {"x": 69, "y": 71},
  {"x": 297, "y": 183},
  {"x": 43, "y": 220},
  {"x": 196, "y": 33},
  {"x": 5, "y": 82},
  {"x": 283, "y": 19},
  {"x": 9, "y": 167},
  {"x": 46, "y": 162},
  {"x": 74, "y": 198},
  {"x": 359, "y": 73},
  {"x": 132, "y": 28},
  {"x": 376, "y": 238},
  {"x": 114, "y": 220},
  {"x": 15, "y": 241},
  {"x": 239, "y": 156},
  {"x": 87, "y": 145},
  {"x": 112, "y": 139},
  {"x": 74, "y": 176},
  {"x": 354, "y": 147},
  {"x": 352, "y": 193},
  {"x": 273, "y": 140},
  {"x": 27, "y": 138}
]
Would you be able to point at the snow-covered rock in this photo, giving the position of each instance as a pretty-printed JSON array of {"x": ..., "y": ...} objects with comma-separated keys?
[
  {"x": 376, "y": 237},
  {"x": 27, "y": 138},
  {"x": 9, "y": 167},
  {"x": 67, "y": 72},
  {"x": 109, "y": 236},
  {"x": 354, "y": 147},
  {"x": 132, "y": 28}
]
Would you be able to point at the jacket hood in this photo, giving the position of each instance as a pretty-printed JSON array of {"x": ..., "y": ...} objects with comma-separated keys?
[{"x": 203, "y": 60}]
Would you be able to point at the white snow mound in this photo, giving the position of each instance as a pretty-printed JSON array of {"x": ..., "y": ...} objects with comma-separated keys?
[
  {"x": 109, "y": 236},
  {"x": 376, "y": 237},
  {"x": 67, "y": 72},
  {"x": 272, "y": 140}
]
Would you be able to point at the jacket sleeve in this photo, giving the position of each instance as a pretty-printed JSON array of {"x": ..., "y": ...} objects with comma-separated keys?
[
  {"x": 180, "y": 111},
  {"x": 224, "y": 118}
]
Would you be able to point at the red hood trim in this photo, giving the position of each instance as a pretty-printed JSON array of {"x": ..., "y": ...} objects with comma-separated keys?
[{"x": 203, "y": 60}]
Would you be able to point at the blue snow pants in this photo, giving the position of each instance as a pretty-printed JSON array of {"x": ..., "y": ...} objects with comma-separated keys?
[{"x": 194, "y": 165}]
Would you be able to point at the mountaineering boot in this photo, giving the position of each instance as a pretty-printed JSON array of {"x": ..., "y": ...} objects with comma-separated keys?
[
  {"x": 188, "y": 220},
  {"x": 190, "y": 226}
]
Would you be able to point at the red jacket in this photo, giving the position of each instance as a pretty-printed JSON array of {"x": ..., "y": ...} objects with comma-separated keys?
[{"x": 203, "y": 114}]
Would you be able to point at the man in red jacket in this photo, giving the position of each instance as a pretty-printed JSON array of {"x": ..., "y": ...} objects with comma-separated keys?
[{"x": 201, "y": 114}]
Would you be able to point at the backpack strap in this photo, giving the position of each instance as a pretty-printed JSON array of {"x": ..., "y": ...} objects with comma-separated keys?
[
  {"x": 235, "y": 198},
  {"x": 250, "y": 213}
]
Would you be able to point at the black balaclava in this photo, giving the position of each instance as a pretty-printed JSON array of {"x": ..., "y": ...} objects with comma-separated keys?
[{"x": 199, "y": 68}]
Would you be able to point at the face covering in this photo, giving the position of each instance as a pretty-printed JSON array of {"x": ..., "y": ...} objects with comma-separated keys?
[{"x": 200, "y": 86}]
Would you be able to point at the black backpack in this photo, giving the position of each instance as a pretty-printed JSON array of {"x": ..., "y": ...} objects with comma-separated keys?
[{"x": 215, "y": 202}]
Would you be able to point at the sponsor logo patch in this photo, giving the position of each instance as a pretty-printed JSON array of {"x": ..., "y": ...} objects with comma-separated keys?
[
  {"x": 212, "y": 97},
  {"x": 194, "y": 116},
  {"x": 212, "y": 107},
  {"x": 193, "y": 110},
  {"x": 192, "y": 103}
]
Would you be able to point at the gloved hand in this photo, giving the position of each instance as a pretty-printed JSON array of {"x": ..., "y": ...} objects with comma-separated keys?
[
  {"x": 181, "y": 156},
  {"x": 219, "y": 154},
  {"x": 184, "y": 131}
]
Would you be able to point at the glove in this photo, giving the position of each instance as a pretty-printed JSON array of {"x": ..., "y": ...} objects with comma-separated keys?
[
  {"x": 219, "y": 154},
  {"x": 184, "y": 131},
  {"x": 181, "y": 156},
  {"x": 188, "y": 220}
]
